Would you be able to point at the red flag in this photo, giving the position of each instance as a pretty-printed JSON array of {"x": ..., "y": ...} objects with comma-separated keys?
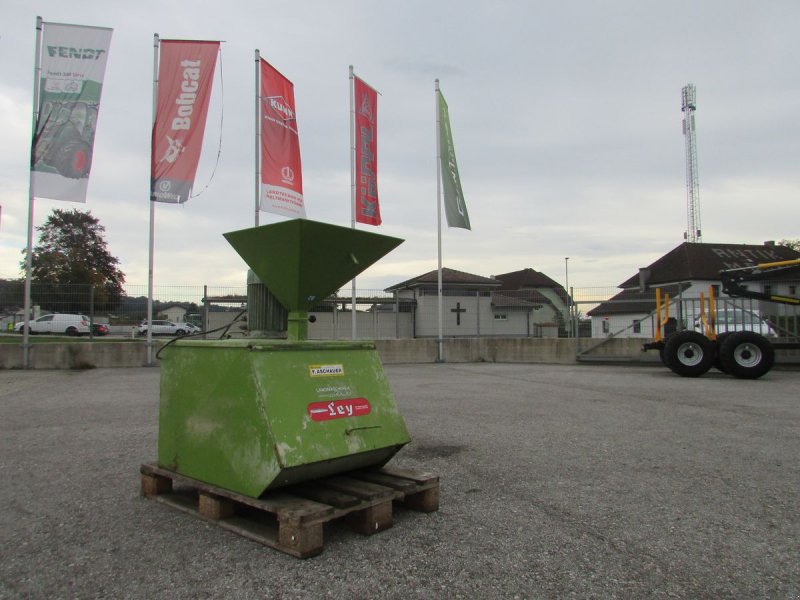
[
  {"x": 281, "y": 171},
  {"x": 185, "y": 75},
  {"x": 366, "y": 138}
]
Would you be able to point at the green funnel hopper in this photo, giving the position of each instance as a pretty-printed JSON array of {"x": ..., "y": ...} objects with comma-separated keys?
[
  {"x": 302, "y": 262},
  {"x": 250, "y": 415}
]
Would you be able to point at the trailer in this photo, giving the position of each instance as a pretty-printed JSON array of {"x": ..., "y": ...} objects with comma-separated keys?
[{"x": 743, "y": 354}]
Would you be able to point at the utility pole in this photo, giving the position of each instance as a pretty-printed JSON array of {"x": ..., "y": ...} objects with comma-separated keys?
[{"x": 569, "y": 304}]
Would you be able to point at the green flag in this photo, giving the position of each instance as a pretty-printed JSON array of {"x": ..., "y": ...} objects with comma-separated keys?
[{"x": 455, "y": 208}]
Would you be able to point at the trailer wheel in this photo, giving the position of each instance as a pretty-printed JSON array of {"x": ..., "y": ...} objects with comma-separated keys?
[
  {"x": 747, "y": 355},
  {"x": 721, "y": 337},
  {"x": 688, "y": 353}
]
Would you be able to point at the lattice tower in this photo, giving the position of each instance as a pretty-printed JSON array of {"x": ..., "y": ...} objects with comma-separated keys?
[{"x": 688, "y": 106}]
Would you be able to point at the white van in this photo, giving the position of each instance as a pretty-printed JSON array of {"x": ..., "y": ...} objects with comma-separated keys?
[{"x": 58, "y": 323}]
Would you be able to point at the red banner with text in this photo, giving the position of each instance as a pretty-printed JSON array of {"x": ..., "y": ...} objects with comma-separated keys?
[
  {"x": 281, "y": 171},
  {"x": 366, "y": 141},
  {"x": 185, "y": 75}
]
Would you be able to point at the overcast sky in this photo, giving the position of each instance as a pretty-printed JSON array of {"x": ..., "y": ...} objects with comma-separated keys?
[{"x": 566, "y": 119}]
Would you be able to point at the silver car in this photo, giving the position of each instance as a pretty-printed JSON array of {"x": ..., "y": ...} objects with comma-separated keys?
[{"x": 161, "y": 327}]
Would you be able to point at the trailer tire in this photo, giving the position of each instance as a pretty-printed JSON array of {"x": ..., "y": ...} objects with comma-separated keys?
[
  {"x": 688, "y": 353},
  {"x": 747, "y": 355},
  {"x": 721, "y": 337}
]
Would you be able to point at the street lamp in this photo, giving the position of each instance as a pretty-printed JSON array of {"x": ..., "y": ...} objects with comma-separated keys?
[{"x": 566, "y": 274}]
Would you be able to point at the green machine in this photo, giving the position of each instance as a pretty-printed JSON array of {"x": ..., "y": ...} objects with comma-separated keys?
[{"x": 250, "y": 414}]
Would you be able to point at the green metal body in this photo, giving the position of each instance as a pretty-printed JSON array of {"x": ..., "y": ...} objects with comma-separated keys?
[
  {"x": 253, "y": 414},
  {"x": 236, "y": 413}
]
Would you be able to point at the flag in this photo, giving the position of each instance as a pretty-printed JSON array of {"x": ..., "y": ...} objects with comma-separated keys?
[
  {"x": 73, "y": 64},
  {"x": 455, "y": 208},
  {"x": 366, "y": 142},
  {"x": 185, "y": 75},
  {"x": 281, "y": 170}
]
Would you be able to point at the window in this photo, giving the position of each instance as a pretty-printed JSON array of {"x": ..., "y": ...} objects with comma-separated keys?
[
  {"x": 793, "y": 290},
  {"x": 501, "y": 317},
  {"x": 637, "y": 326},
  {"x": 605, "y": 325}
]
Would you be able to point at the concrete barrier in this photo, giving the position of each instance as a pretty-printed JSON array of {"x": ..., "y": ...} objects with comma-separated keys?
[
  {"x": 75, "y": 355},
  {"x": 513, "y": 350},
  {"x": 88, "y": 355}
]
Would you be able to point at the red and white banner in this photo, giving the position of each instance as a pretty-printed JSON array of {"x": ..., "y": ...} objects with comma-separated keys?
[
  {"x": 73, "y": 63},
  {"x": 281, "y": 171},
  {"x": 366, "y": 141},
  {"x": 185, "y": 75}
]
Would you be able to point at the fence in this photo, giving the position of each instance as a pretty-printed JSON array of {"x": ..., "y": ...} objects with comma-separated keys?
[
  {"x": 121, "y": 311},
  {"x": 588, "y": 312}
]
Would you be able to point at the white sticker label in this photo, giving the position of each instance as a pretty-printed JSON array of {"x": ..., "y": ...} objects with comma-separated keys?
[{"x": 326, "y": 370}]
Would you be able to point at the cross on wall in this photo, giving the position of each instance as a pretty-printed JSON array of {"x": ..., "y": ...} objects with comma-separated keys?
[{"x": 458, "y": 310}]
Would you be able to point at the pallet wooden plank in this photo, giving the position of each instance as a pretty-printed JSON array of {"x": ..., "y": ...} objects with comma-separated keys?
[
  {"x": 422, "y": 497},
  {"x": 314, "y": 492},
  {"x": 291, "y": 519},
  {"x": 396, "y": 483},
  {"x": 302, "y": 542},
  {"x": 418, "y": 476},
  {"x": 360, "y": 489},
  {"x": 278, "y": 502},
  {"x": 291, "y": 506}
]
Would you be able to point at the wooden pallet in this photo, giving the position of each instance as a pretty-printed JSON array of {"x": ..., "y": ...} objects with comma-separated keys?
[{"x": 291, "y": 519}]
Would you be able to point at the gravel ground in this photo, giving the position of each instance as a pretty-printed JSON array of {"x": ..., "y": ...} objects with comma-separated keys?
[{"x": 557, "y": 482}]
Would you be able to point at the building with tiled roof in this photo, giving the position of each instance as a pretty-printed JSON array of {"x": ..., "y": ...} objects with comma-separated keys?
[
  {"x": 472, "y": 305},
  {"x": 536, "y": 286},
  {"x": 684, "y": 272},
  {"x": 451, "y": 279},
  {"x": 703, "y": 262}
]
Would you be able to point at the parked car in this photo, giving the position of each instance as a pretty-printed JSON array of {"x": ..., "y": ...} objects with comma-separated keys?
[
  {"x": 192, "y": 328},
  {"x": 165, "y": 328},
  {"x": 737, "y": 319},
  {"x": 57, "y": 323},
  {"x": 100, "y": 329}
]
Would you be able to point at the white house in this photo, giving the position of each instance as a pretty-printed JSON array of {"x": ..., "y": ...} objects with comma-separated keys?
[
  {"x": 515, "y": 304},
  {"x": 174, "y": 313},
  {"x": 548, "y": 296}
]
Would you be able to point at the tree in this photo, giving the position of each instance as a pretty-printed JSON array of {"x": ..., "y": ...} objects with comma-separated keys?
[
  {"x": 793, "y": 244},
  {"x": 72, "y": 252}
]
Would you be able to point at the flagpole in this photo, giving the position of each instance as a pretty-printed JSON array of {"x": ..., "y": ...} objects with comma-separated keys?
[
  {"x": 258, "y": 134},
  {"x": 152, "y": 212},
  {"x": 37, "y": 69},
  {"x": 439, "y": 219},
  {"x": 353, "y": 186}
]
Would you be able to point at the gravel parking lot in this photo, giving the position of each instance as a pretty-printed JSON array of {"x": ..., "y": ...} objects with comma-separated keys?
[{"x": 557, "y": 481}]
